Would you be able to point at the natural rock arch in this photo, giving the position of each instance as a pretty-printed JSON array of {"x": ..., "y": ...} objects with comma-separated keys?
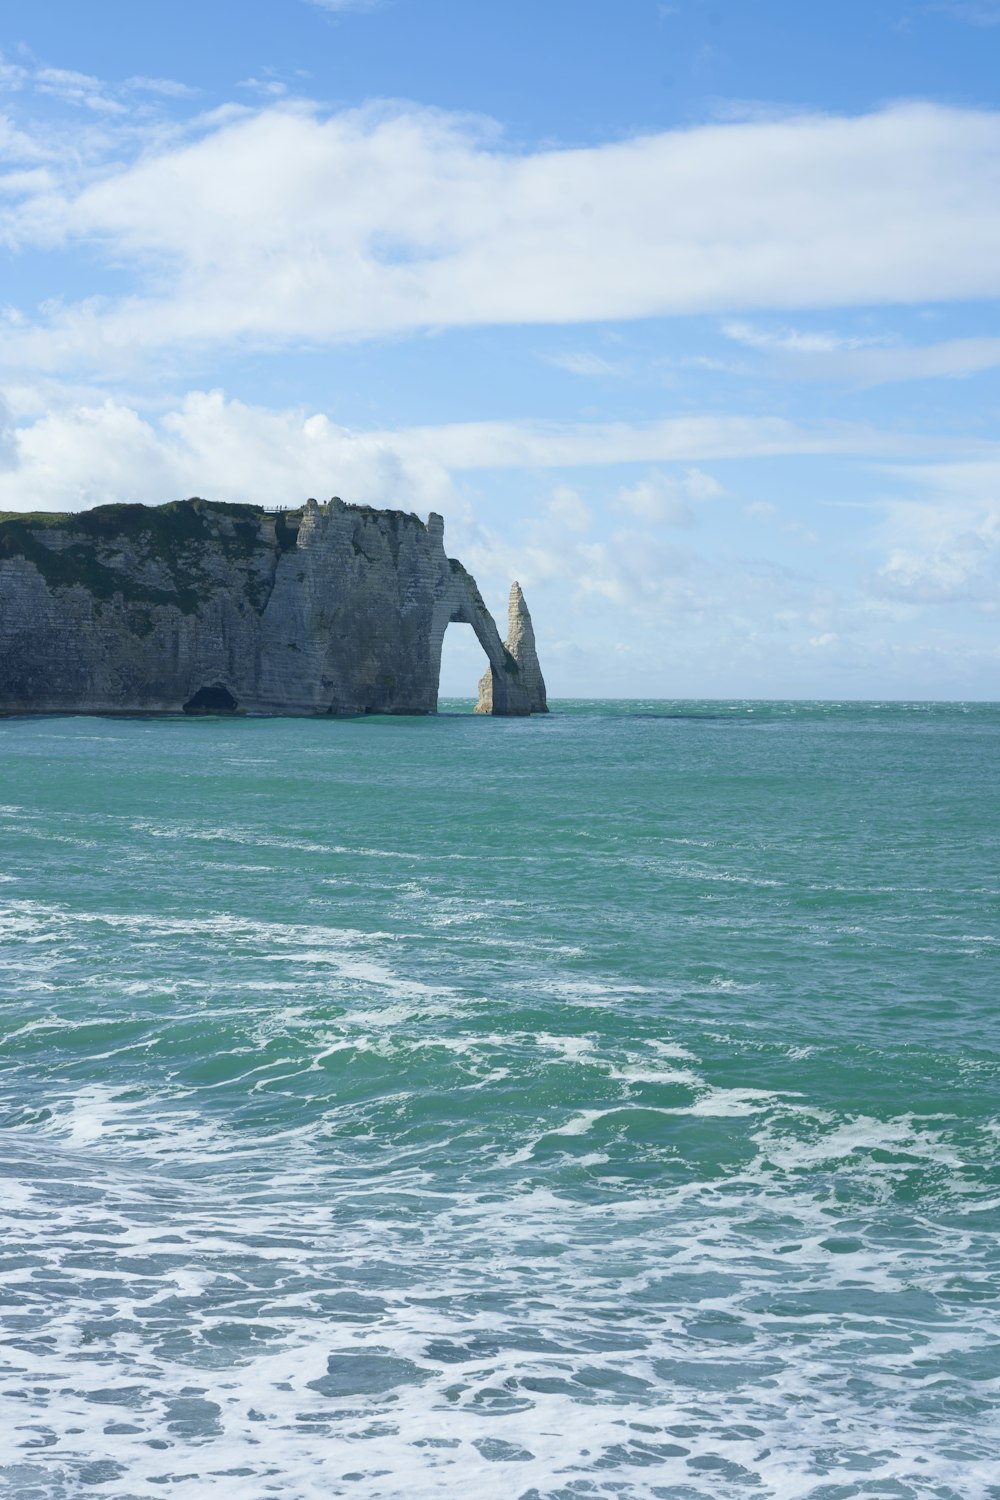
[{"x": 466, "y": 606}]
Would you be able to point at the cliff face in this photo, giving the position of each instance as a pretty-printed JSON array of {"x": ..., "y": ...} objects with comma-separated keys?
[{"x": 199, "y": 607}]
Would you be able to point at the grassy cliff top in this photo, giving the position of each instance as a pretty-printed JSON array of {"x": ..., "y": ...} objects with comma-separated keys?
[
  {"x": 175, "y": 534},
  {"x": 126, "y": 519},
  {"x": 104, "y": 520},
  {"x": 85, "y": 548}
]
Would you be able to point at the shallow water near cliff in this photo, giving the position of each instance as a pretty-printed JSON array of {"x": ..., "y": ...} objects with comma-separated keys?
[{"x": 600, "y": 1105}]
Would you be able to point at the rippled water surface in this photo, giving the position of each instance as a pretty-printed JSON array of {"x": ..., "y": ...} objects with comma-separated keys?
[{"x": 599, "y": 1106}]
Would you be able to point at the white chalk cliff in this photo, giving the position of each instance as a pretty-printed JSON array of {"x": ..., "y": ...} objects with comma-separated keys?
[{"x": 201, "y": 607}]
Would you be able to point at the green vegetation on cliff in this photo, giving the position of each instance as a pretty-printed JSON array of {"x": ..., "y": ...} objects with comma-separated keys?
[{"x": 79, "y": 550}]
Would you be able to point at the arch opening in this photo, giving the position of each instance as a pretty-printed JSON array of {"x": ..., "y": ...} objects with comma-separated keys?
[
  {"x": 463, "y": 662},
  {"x": 213, "y": 698}
]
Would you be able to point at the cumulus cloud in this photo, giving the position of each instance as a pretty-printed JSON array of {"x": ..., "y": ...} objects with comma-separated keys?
[
  {"x": 321, "y": 228},
  {"x": 948, "y": 558},
  {"x": 945, "y": 548},
  {"x": 664, "y": 498},
  {"x": 92, "y": 454}
]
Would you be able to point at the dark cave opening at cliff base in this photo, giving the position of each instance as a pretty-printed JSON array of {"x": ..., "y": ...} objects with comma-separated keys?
[{"x": 212, "y": 699}]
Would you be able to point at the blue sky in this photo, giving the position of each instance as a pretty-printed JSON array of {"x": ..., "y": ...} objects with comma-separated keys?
[{"x": 683, "y": 314}]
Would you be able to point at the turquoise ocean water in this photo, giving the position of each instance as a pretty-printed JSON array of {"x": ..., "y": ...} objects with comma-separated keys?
[{"x": 594, "y": 1106}]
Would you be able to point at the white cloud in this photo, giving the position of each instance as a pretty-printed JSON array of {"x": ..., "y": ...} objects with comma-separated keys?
[
  {"x": 686, "y": 621},
  {"x": 948, "y": 557},
  {"x": 8, "y": 441},
  {"x": 76, "y": 88},
  {"x": 69, "y": 447},
  {"x": 983, "y": 13},
  {"x": 866, "y": 361},
  {"x": 791, "y": 340},
  {"x": 74, "y": 449},
  {"x": 340, "y": 6},
  {"x": 584, "y": 363},
  {"x": 368, "y": 222},
  {"x": 663, "y": 498},
  {"x": 690, "y": 439},
  {"x": 18, "y": 147},
  {"x": 90, "y": 454},
  {"x": 169, "y": 88},
  {"x": 951, "y": 359},
  {"x": 700, "y": 486},
  {"x": 965, "y": 481},
  {"x": 12, "y": 75},
  {"x": 945, "y": 548},
  {"x": 638, "y": 573},
  {"x": 569, "y": 509},
  {"x": 272, "y": 88}
]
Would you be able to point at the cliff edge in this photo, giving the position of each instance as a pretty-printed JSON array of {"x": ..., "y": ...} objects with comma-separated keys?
[{"x": 204, "y": 607}]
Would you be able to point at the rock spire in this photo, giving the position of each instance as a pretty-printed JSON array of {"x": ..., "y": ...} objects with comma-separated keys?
[{"x": 520, "y": 648}]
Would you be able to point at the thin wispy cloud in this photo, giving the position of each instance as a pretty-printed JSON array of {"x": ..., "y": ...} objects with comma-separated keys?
[
  {"x": 271, "y": 88},
  {"x": 84, "y": 90},
  {"x": 868, "y": 361},
  {"x": 339, "y": 7},
  {"x": 583, "y": 362},
  {"x": 76, "y": 88},
  {"x": 167, "y": 88},
  {"x": 13, "y": 76},
  {"x": 793, "y": 340},
  {"x": 984, "y": 13}
]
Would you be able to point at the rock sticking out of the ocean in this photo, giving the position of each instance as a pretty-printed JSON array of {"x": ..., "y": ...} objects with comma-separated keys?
[{"x": 520, "y": 647}]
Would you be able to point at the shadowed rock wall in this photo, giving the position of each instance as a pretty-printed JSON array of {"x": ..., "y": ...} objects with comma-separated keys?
[{"x": 212, "y": 608}]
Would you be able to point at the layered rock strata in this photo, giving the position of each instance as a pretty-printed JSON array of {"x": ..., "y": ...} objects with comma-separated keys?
[
  {"x": 201, "y": 607},
  {"x": 520, "y": 647}
]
